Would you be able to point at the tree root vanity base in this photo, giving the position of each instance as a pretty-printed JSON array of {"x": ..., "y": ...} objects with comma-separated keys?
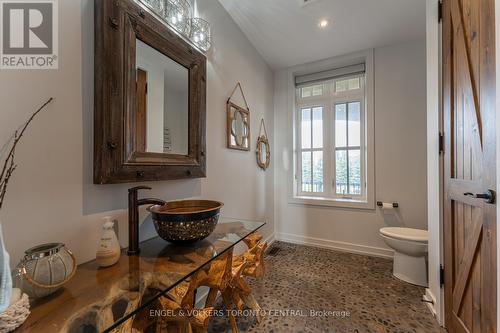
[{"x": 156, "y": 290}]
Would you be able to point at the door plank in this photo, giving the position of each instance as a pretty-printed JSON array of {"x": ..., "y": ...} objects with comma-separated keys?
[
  {"x": 460, "y": 326},
  {"x": 458, "y": 188},
  {"x": 461, "y": 34},
  {"x": 476, "y": 295},
  {"x": 488, "y": 112},
  {"x": 471, "y": 245}
]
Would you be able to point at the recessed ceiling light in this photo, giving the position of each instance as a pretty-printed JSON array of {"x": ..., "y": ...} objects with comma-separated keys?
[
  {"x": 323, "y": 23},
  {"x": 304, "y": 3}
]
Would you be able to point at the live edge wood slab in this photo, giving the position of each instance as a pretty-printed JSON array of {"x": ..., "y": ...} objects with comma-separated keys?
[{"x": 114, "y": 298}]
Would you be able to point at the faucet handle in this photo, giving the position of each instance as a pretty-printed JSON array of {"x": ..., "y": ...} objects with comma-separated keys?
[{"x": 137, "y": 188}]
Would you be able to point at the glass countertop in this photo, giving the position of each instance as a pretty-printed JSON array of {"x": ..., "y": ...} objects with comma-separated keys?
[{"x": 107, "y": 297}]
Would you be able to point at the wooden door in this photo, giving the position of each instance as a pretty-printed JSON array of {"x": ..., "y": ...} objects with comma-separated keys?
[
  {"x": 142, "y": 92},
  {"x": 470, "y": 168}
]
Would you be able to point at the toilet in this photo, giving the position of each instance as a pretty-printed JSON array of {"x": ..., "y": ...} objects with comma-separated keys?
[{"x": 410, "y": 253}]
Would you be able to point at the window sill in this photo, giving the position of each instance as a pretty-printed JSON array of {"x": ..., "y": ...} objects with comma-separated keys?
[{"x": 330, "y": 202}]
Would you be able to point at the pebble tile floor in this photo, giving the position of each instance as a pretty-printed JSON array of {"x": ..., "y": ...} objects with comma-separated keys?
[{"x": 302, "y": 278}]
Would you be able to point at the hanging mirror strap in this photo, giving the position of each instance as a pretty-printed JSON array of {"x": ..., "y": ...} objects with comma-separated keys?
[
  {"x": 262, "y": 126},
  {"x": 238, "y": 85}
]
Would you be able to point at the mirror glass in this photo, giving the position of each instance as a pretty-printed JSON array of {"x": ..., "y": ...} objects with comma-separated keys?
[
  {"x": 263, "y": 153},
  {"x": 162, "y": 116},
  {"x": 239, "y": 128}
]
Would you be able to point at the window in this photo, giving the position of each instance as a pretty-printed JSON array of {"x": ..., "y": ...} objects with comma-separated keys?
[
  {"x": 348, "y": 148},
  {"x": 316, "y": 90},
  {"x": 330, "y": 134},
  {"x": 312, "y": 149}
]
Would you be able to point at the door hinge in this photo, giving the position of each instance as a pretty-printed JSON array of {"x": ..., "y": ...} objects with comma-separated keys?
[
  {"x": 441, "y": 275},
  {"x": 441, "y": 143},
  {"x": 440, "y": 11}
]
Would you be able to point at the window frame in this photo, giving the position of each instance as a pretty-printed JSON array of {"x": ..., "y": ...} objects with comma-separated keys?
[
  {"x": 328, "y": 102},
  {"x": 311, "y": 103},
  {"x": 323, "y": 199}
]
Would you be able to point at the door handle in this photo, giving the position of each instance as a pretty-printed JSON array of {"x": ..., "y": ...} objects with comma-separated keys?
[{"x": 489, "y": 196}]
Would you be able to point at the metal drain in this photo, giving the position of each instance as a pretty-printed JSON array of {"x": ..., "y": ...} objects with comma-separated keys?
[{"x": 273, "y": 251}]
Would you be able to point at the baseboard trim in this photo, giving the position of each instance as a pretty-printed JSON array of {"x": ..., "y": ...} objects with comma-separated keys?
[
  {"x": 430, "y": 301},
  {"x": 270, "y": 239},
  {"x": 335, "y": 245}
]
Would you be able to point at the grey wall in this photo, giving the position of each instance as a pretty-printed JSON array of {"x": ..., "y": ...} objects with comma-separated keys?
[
  {"x": 52, "y": 198},
  {"x": 400, "y": 159}
]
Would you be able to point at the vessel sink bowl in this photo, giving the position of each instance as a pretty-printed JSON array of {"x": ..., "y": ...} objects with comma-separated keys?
[{"x": 186, "y": 221}]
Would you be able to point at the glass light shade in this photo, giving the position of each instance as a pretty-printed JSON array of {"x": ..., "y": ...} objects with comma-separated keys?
[
  {"x": 200, "y": 34},
  {"x": 158, "y": 6},
  {"x": 178, "y": 15}
]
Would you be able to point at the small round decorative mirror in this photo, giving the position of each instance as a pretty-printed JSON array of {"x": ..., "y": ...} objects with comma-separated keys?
[{"x": 263, "y": 152}]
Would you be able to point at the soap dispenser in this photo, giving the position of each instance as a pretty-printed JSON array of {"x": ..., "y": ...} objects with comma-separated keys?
[{"x": 108, "y": 252}]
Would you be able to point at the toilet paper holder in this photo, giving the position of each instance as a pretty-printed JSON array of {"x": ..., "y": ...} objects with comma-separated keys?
[{"x": 394, "y": 204}]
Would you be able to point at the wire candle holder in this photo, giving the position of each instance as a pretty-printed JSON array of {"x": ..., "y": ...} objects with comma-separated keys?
[
  {"x": 200, "y": 34},
  {"x": 158, "y": 6},
  {"x": 178, "y": 15}
]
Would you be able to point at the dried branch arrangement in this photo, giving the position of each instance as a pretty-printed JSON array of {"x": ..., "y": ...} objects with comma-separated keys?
[{"x": 9, "y": 165}]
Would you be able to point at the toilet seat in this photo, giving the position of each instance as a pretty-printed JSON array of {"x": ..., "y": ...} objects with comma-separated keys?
[{"x": 407, "y": 234}]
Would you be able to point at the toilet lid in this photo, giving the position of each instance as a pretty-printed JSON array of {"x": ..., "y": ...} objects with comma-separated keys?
[{"x": 416, "y": 235}]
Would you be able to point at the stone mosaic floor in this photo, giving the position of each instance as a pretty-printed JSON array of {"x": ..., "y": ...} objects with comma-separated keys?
[{"x": 361, "y": 289}]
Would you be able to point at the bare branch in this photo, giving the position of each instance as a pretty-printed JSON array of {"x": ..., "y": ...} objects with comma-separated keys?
[
  {"x": 5, "y": 146},
  {"x": 5, "y": 181},
  {"x": 3, "y": 191},
  {"x": 9, "y": 166},
  {"x": 18, "y": 137},
  {"x": 9, "y": 156}
]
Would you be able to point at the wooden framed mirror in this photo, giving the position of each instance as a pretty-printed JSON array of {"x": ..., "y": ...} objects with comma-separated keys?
[
  {"x": 150, "y": 98},
  {"x": 263, "y": 152},
  {"x": 263, "y": 149}
]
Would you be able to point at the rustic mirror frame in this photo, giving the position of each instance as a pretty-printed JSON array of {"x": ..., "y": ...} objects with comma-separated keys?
[
  {"x": 262, "y": 140},
  {"x": 117, "y": 25}
]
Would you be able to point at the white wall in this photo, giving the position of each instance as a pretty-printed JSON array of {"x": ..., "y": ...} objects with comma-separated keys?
[
  {"x": 400, "y": 159},
  {"x": 51, "y": 196},
  {"x": 177, "y": 115}
]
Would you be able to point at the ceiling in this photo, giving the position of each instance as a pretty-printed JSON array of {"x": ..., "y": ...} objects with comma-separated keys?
[{"x": 287, "y": 33}]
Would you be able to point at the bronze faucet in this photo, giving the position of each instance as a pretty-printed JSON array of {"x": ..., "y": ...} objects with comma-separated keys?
[{"x": 133, "y": 217}]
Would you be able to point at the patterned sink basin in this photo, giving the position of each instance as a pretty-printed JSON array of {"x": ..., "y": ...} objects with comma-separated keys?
[{"x": 186, "y": 220}]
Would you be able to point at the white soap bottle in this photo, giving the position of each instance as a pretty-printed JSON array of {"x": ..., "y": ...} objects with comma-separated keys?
[{"x": 108, "y": 252}]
